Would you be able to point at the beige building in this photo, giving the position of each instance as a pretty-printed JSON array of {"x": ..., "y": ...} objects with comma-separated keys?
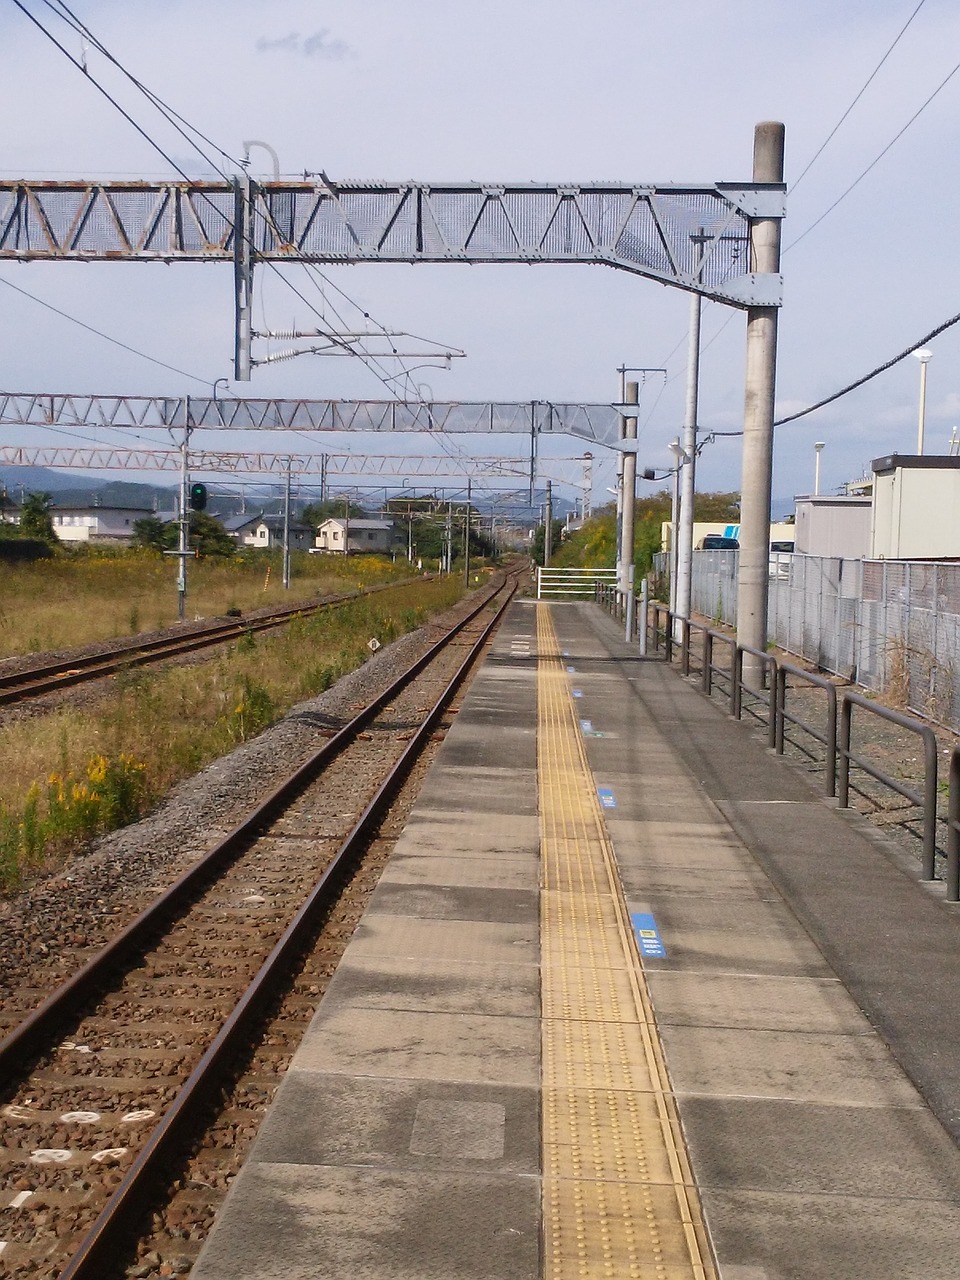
[
  {"x": 916, "y": 508},
  {"x": 834, "y": 525}
]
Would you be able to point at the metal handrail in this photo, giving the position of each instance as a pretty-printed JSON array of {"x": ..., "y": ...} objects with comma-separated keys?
[
  {"x": 769, "y": 662},
  {"x": 658, "y": 610},
  {"x": 927, "y": 801},
  {"x": 783, "y": 717},
  {"x": 709, "y": 667},
  {"x": 952, "y": 875}
]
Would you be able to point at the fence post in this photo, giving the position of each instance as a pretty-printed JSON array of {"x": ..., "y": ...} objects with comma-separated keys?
[
  {"x": 929, "y": 804},
  {"x": 780, "y": 710},
  {"x": 707, "y": 673},
  {"x": 843, "y": 784},
  {"x": 832, "y": 741},
  {"x": 643, "y": 618},
  {"x": 953, "y": 835}
]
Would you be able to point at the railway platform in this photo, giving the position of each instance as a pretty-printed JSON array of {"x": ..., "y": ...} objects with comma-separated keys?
[{"x": 631, "y": 1000}]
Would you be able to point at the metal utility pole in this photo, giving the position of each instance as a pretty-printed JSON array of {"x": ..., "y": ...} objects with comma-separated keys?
[
  {"x": 627, "y": 523},
  {"x": 688, "y": 464},
  {"x": 755, "y": 495},
  {"x": 466, "y": 541},
  {"x": 183, "y": 544},
  {"x": 286, "y": 526},
  {"x": 548, "y": 527},
  {"x": 449, "y": 539}
]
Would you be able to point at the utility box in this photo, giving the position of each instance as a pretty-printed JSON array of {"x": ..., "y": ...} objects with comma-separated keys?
[
  {"x": 834, "y": 525},
  {"x": 916, "y": 508}
]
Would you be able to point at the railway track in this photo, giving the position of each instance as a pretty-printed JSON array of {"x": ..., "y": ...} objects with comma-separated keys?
[
  {"x": 53, "y": 677},
  {"x": 111, "y": 1078}
]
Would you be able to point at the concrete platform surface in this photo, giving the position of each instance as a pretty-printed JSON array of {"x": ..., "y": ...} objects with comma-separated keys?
[{"x": 802, "y": 983}]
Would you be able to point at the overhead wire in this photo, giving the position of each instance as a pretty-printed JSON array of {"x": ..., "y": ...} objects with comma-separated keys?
[
  {"x": 888, "y": 364},
  {"x": 866, "y": 84},
  {"x": 100, "y": 334},
  {"x": 168, "y": 113},
  {"x": 173, "y": 117}
]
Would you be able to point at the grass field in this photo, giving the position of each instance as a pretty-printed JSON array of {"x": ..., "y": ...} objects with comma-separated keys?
[
  {"x": 78, "y": 772},
  {"x": 78, "y": 599}
]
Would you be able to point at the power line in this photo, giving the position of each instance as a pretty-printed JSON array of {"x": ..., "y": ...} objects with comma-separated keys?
[
  {"x": 823, "y": 146},
  {"x": 914, "y": 346},
  {"x": 168, "y": 112},
  {"x": 873, "y": 163},
  {"x": 106, "y": 336}
]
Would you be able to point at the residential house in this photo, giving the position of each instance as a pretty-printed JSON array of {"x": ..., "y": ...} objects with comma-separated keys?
[
  {"x": 267, "y": 531},
  {"x": 340, "y": 536},
  {"x": 100, "y": 524}
]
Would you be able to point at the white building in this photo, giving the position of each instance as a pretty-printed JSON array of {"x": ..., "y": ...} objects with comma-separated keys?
[
  {"x": 340, "y": 536},
  {"x": 99, "y": 524},
  {"x": 267, "y": 532},
  {"x": 916, "y": 508}
]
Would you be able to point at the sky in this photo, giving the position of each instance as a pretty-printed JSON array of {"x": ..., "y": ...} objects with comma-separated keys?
[{"x": 515, "y": 90}]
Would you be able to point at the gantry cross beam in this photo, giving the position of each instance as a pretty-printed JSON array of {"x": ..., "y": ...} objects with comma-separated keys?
[
  {"x": 598, "y": 423},
  {"x": 105, "y": 458},
  {"x": 692, "y": 236}
]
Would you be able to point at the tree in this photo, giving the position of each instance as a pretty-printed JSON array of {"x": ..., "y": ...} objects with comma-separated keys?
[
  {"x": 314, "y": 513},
  {"x": 207, "y": 535},
  {"x": 35, "y": 518},
  {"x": 150, "y": 534}
]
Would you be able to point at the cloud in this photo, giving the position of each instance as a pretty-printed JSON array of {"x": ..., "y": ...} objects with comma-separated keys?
[{"x": 319, "y": 45}]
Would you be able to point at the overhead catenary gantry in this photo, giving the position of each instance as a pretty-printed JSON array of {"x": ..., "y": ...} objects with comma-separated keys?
[
  {"x": 692, "y": 236},
  {"x": 597, "y": 423},
  {"x": 108, "y": 457},
  {"x": 719, "y": 240}
]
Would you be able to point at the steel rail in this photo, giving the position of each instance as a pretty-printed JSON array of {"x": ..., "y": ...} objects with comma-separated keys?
[
  {"x": 33, "y": 682},
  {"x": 130, "y": 1196},
  {"x": 33, "y": 1034}
]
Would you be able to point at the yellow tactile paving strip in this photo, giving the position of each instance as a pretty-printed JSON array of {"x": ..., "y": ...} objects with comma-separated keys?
[{"x": 618, "y": 1196}]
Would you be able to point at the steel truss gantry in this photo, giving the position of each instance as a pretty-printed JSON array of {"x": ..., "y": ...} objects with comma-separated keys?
[
  {"x": 691, "y": 236},
  {"x": 598, "y": 423},
  {"x": 105, "y": 458}
]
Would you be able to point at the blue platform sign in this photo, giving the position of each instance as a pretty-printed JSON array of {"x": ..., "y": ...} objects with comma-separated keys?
[
  {"x": 607, "y": 799},
  {"x": 647, "y": 934}
]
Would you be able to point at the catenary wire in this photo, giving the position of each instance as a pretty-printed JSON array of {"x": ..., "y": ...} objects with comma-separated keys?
[
  {"x": 106, "y": 336},
  {"x": 866, "y": 84}
]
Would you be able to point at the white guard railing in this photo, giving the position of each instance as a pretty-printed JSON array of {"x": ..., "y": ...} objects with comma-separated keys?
[{"x": 572, "y": 582}]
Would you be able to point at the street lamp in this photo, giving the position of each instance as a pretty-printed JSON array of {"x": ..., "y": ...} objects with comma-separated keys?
[
  {"x": 819, "y": 447},
  {"x": 924, "y": 356}
]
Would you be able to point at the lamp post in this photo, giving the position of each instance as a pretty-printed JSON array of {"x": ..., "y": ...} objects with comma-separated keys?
[
  {"x": 923, "y": 355},
  {"x": 819, "y": 447}
]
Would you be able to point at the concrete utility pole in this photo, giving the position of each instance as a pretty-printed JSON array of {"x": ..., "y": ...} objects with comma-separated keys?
[
  {"x": 752, "y": 585},
  {"x": 628, "y": 522},
  {"x": 688, "y": 464},
  {"x": 677, "y": 450}
]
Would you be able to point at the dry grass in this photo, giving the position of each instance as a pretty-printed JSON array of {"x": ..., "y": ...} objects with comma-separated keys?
[
  {"x": 82, "y": 598},
  {"x": 162, "y": 726}
]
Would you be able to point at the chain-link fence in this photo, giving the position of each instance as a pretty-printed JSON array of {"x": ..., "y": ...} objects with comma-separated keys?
[{"x": 889, "y": 625}]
